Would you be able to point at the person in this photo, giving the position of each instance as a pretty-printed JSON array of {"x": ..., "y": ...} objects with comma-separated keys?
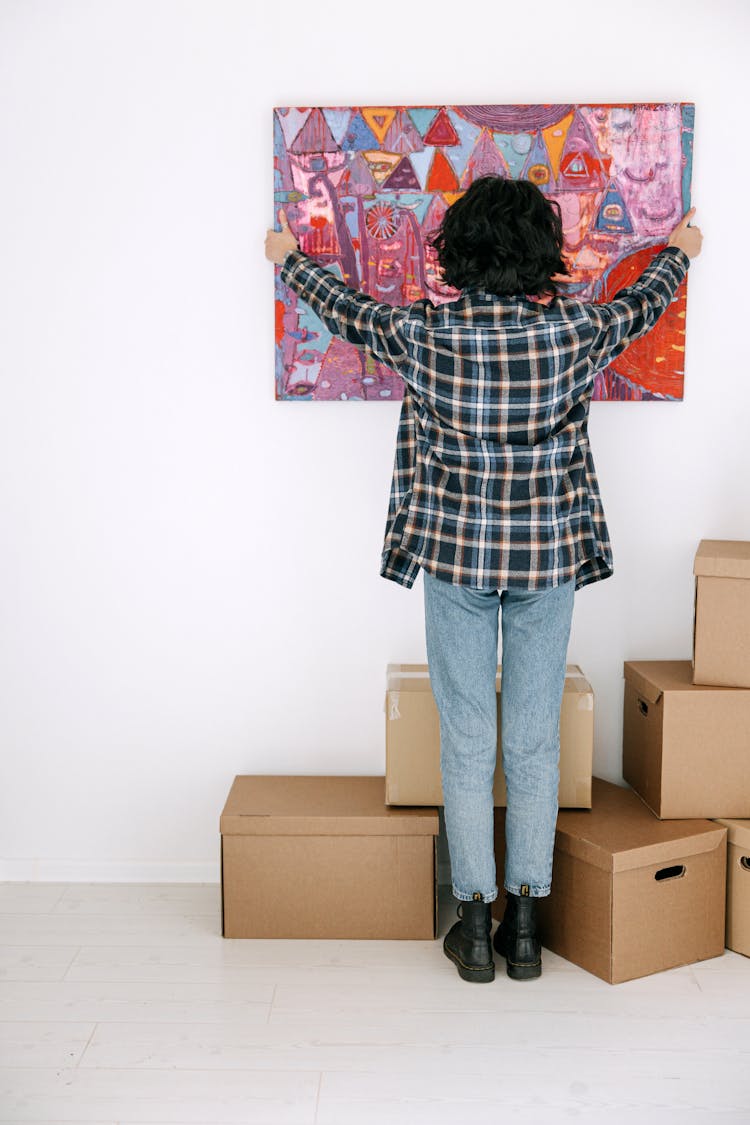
[{"x": 494, "y": 496}]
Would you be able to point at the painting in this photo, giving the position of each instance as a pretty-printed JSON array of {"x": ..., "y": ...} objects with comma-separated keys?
[{"x": 365, "y": 189}]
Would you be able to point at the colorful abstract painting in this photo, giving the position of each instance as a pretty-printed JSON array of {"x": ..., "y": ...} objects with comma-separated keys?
[{"x": 365, "y": 188}]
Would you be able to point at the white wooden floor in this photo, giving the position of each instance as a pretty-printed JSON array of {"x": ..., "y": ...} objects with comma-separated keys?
[{"x": 123, "y": 1003}]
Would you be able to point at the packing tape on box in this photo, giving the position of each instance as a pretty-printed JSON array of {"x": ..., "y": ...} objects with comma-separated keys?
[
  {"x": 422, "y": 675},
  {"x": 580, "y": 681}
]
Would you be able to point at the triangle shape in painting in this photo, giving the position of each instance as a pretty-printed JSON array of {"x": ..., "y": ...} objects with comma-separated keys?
[
  {"x": 314, "y": 136},
  {"x": 338, "y": 120},
  {"x": 379, "y": 118},
  {"x": 537, "y": 167},
  {"x": 422, "y": 116},
  {"x": 402, "y": 178},
  {"x": 581, "y": 168},
  {"x": 441, "y": 176},
  {"x": 613, "y": 216},
  {"x": 358, "y": 135},
  {"x": 358, "y": 177},
  {"x": 402, "y": 136},
  {"x": 381, "y": 164},
  {"x": 485, "y": 160},
  {"x": 441, "y": 131},
  {"x": 420, "y": 162},
  {"x": 291, "y": 121},
  {"x": 515, "y": 148},
  {"x": 554, "y": 138}
]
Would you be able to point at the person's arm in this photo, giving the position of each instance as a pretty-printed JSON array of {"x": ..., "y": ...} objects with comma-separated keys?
[
  {"x": 357, "y": 318},
  {"x": 635, "y": 310}
]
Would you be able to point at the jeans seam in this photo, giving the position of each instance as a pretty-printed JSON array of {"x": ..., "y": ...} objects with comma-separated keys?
[
  {"x": 535, "y": 890},
  {"x": 463, "y": 897}
]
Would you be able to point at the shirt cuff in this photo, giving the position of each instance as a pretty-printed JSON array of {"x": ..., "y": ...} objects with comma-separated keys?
[
  {"x": 293, "y": 258},
  {"x": 682, "y": 257}
]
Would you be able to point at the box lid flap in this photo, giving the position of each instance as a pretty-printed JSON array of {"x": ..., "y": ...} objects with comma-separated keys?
[
  {"x": 303, "y": 804},
  {"x": 619, "y": 832},
  {"x": 723, "y": 558},
  {"x": 416, "y": 677},
  {"x": 738, "y": 832},
  {"x": 637, "y": 675},
  {"x": 651, "y": 678}
]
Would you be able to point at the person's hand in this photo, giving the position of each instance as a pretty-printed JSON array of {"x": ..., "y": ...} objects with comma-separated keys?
[
  {"x": 685, "y": 237},
  {"x": 280, "y": 242}
]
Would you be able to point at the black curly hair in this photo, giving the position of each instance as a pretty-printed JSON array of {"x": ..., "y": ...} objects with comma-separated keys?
[{"x": 504, "y": 236}]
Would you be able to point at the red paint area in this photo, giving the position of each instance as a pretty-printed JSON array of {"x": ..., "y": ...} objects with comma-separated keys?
[
  {"x": 441, "y": 177},
  {"x": 656, "y": 362},
  {"x": 279, "y": 321}
]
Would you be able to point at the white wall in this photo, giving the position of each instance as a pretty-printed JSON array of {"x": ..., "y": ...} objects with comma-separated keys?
[{"x": 189, "y": 582}]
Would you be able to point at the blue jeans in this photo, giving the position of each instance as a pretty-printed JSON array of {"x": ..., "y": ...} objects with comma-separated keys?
[{"x": 462, "y": 640}]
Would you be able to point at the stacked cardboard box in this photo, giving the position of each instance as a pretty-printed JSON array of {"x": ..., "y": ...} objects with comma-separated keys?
[
  {"x": 631, "y": 894},
  {"x": 412, "y": 739},
  {"x": 325, "y": 857},
  {"x": 356, "y": 857},
  {"x": 686, "y": 724},
  {"x": 641, "y": 881}
]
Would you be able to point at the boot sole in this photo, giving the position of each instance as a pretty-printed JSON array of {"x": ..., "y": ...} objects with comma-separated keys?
[
  {"x": 523, "y": 972},
  {"x": 520, "y": 971},
  {"x": 467, "y": 972}
]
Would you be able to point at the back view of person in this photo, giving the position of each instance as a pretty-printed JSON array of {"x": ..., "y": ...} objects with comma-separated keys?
[{"x": 494, "y": 497}]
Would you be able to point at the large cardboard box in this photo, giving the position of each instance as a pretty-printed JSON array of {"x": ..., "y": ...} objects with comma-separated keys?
[
  {"x": 738, "y": 885},
  {"x": 686, "y": 747},
  {"x": 721, "y": 616},
  {"x": 631, "y": 894},
  {"x": 412, "y": 740},
  {"x": 325, "y": 857}
]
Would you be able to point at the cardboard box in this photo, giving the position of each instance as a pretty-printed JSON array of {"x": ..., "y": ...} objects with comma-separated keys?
[
  {"x": 721, "y": 614},
  {"x": 412, "y": 740},
  {"x": 631, "y": 894},
  {"x": 324, "y": 857},
  {"x": 686, "y": 747},
  {"x": 738, "y": 885}
]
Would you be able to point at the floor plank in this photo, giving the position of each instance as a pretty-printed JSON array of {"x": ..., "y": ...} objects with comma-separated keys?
[{"x": 123, "y": 1004}]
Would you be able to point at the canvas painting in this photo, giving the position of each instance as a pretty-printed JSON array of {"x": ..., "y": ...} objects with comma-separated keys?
[{"x": 365, "y": 188}]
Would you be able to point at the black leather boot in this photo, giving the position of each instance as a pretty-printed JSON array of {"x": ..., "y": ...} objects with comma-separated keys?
[
  {"x": 516, "y": 938},
  {"x": 467, "y": 943}
]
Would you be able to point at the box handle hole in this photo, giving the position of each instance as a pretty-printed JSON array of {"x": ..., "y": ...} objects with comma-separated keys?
[
  {"x": 642, "y": 707},
  {"x": 675, "y": 872},
  {"x": 745, "y": 862}
]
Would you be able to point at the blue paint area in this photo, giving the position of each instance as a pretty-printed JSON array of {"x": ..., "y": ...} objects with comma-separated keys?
[
  {"x": 359, "y": 136},
  {"x": 281, "y": 170},
  {"x": 420, "y": 162},
  {"x": 468, "y": 135},
  {"x": 617, "y": 221},
  {"x": 423, "y": 118},
  {"x": 414, "y": 202},
  {"x": 337, "y": 121},
  {"x": 688, "y": 132},
  {"x": 515, "y": 148}
]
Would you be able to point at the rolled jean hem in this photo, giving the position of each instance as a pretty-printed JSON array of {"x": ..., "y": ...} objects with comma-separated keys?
[
  {"x": 534, "y": 891},
  {"x": 468, "y": 897}
]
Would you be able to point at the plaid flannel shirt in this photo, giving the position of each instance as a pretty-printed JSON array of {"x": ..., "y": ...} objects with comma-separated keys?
[{"x": 494, "y": 484}]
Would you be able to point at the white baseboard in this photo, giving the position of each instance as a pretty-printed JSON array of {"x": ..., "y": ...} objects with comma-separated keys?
[
  {"x": 107, "y": 871},
  {"x": 103, "y": 871}
]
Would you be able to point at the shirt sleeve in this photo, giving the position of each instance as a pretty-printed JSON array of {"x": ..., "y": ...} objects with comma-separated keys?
[
  {"x": 636, "y": 309},
  {"x": 356, "y": 317}
]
